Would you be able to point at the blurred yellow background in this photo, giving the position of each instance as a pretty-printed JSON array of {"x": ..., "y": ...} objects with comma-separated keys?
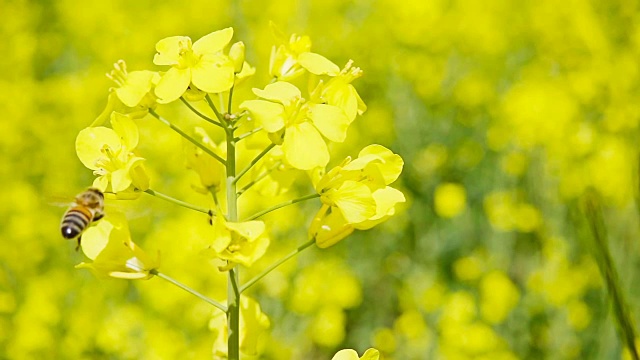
[{"x": 505, "y": 112}]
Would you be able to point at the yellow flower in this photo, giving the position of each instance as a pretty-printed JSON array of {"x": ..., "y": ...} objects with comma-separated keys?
[
  {"x": 298, "y": 125},
  {"x": 355, "y": 195},
  {"x": 350, "y": 354},
  {"x": 202, "y": 64},
  {"x": 236, "y": 54},
  {"x": 210, "y": 170},
  {"x": 499, "y": 295},
  {"x": 450, "y": 200},
  {"x": 109, "y": 153},
  {"x": 239, "y": 242},
  {"x": 291, "y": 58},
  {"x": 339, "y": 92},
  {"x": 253, "y": 323},
  {"x": 109, "y": 245},
  {"x": 133, "y": 94}
]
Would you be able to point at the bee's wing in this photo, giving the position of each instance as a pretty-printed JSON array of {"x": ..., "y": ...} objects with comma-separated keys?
[
  {"x": 59, "y": 201},
  {"x": 131, "y": 208}
]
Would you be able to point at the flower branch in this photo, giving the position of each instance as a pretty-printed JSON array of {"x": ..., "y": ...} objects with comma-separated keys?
[
  {"x": 203, "y": 116},
  {"x": 188, "y": 289},
  {"x": 186, "y": 136},
  {"x": 253, "y": 162},
  {"x": 179, "y": 202},
  {"x": 275, "y": 265},
  {"x": 281, "y": 205}
]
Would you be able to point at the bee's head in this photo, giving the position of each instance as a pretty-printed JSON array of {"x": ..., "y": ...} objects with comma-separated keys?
[{"x": 92, "y": 197}]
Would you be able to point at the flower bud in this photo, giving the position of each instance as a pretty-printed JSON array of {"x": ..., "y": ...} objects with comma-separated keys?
[{"x": 236, "y": 54}]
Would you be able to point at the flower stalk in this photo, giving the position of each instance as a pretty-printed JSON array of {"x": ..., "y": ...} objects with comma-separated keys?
[
  {"x": 233, "y": 294},
  {"x": 609, "y": 272},
  {"x": 179, "y": 202},
  {"x": 188, "y": 289},
  {"x": 186, "y": 136},
  {"x": 203, "y": 116},
  {"x": 281, "y": 205},
  {"x": 273, "y": 266},
  {"x": 254, "y": 161},
  {"x": 214, "y": 108}
]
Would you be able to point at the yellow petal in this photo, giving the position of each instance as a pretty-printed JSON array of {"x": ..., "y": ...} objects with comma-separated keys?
[
  {"x": 90, "y": 142},
  {"x": 392, "y": 164},
  {"x": 330, "y": 120},
  {"x": 346, "y": 354},
  {"x": 249, "y": 230},
  {"x": 137, "y": 85},
  {"x": 95, "y": 238},
  {"x": 318, "y": 64},
  {"x": 213, "y": 74},
  {"x": 169, "y": 50},
  {"x": 101, "y": 183},
  {"x": 269, "y": 115},
  {"x": 213, "y": 42},
  {"x": 345, "y": 97},
  {"x": 173, "y": 84},
  {"x": 281, "y": 91},
  {"x": 304, "y": 148},
  {"x": 386, "y": 200},
  {"x": 221, "y": 235},
  {"x": 126, "y": 128},
  {"x": 371, "y": 354},
  {"x": 137, "y": 173},
  {"x": 129, "y": 275},
  {"x": 329, "y": 227},
  {"x": 120, "y": 180},
  {"x": 247, "y": 252},
  {"x": 355, "y": 201}
]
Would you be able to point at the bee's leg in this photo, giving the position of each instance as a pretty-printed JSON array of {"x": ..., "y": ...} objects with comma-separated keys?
[{"x": 78, "y": 246}]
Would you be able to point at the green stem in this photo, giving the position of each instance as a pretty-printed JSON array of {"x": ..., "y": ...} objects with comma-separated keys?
[
  {"x": 281, "y": 205},
  {"x": 240, "y": 137},
  {"x": 188, "y": 289},
  {"x": 221, "y": 100},
  {"x": 195, "y": 111},
  {"x": 233, "y": 295},
  {"x": 186, "y": 136},
  {"x": 230, "y": 97},
  {"x": 258, "y": 178},
  {"x": 609, "y": 272},
  {"x": 254, "y": 161},
  {"x": 214, "y": 195},
  {"x": 215, "y": 109},
  {"x": 276, "y": 264},
  {"x": 178, "y": 202}
]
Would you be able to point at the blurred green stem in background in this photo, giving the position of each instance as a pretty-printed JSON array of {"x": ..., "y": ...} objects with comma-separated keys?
[
  {"x": 593, "y": 212},
  {"x": 188, "y": 289}
]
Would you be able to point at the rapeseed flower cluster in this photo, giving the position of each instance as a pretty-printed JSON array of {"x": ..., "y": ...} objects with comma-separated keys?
[{"x": 355, "y": 192}]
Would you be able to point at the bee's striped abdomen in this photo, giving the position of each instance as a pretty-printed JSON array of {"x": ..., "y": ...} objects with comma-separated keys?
[{"x": 75, "y": 221}]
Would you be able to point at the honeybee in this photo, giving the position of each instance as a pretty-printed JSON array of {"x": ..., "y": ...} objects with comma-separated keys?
[{"x": 87, "y": 207}]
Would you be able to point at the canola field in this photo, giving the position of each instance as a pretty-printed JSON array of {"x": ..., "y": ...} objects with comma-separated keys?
[{"x": 446, "y": 179}]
